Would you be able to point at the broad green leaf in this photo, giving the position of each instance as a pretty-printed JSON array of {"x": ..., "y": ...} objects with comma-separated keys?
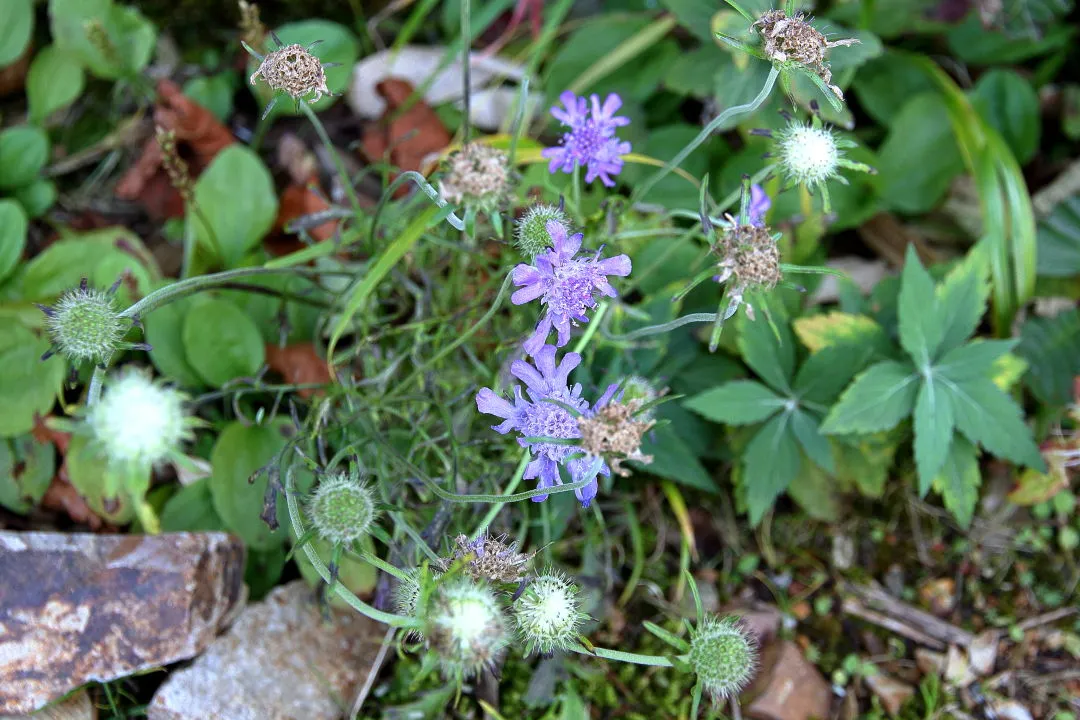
[
  {"x": 1058, "y": 240},
  {"x": 864, "y": 461},
  {"x": 885, "y": 83},
  {"x": 28, "y": 386},
  {"x": 816, "y": 493},
  {"x": 695, "y": 15},
  {"x": 191, "y": 509},
  {"x": 737, "y": 84},
  {"x": 961, "y": 301},
  {"x": 1009, "y": 104},
  {"x": 15, "y": 30},
  {"x": 24, "y": 150},
  {"x": 827, "y": 372},
  {"x": 919, "y": 158},
  {"x": 339, "y": 45},
  {"x": 971, "y": 42},
  {"x": 693, "y": 71},
  {"x": 99, "y": 484},
  {"x": 1052, "y": 348},
  {"x": 54, "y": 81},
  {"x": 666, "y": 142},
  {"x": 807, "y": 429},
  {"x": 37, "y": 197},
  {"x": 213, "y": 92},
  {"x": 771, "y": 462},
  {"x": 26, "y": 471},
  {"x": 221, "y": 342},
  {"x": 164, "y": 329},
  {"x": 768, "y": 349},
  {"x": 879, "y": 398},
  {"x": 235, "y": 196},
  {"x": 959, "y": 480},
  {"x": 129, "y": 38},
  {"x": 974, "y": 360},
  {"x": 989, "y": 417},
  {"x": 933, "y": 430},
  {"x": 921, "y": 328},
  {"x": 1007, "y": 370},
  {"x": 13, "y": 226},
  {"x": 835, "y": 328},
  {"x": 102, "y": 256},
  {"x": 240, "y": 450},
  {"x": 675, "y": 460},
  {"x": 742, "y": 402}
]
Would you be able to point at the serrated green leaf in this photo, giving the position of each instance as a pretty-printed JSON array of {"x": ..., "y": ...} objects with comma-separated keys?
[
  {"x": 921, "y": 327},
  {"x": 879, "y": 398},
  {"x": 674, "y": 459},
  {"x": 742, "y": 402},
  {"x": 825, "y": 373},
  {"x": 1007, "y": 370},
  {"x": 816, "y": 493},
  {"x": 933, "y": 431},
  {"x": 769, "y": 353},
  {"x": 771, "y": 462},
  {"x": 974, "y": 360},
  {"x": 959, "y": 480},
  {"x": 961, "y": 301},
  {"x": 834, "y": 328},
  {"x": 807, "y": 429},
  {"x": 864, "y": 461},
  {"x": 1052, "y": 348},
  {"x": 1058, "y": 240},
  {"x": 989, "y": 417}
]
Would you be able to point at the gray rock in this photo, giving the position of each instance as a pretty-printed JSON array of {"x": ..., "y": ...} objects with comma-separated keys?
[
  {"x": 76, "y": 707},
  {"x": 279, "y": 661},
  {"x": 789, "y": 687},
  {"x": 81, "y": 607}
]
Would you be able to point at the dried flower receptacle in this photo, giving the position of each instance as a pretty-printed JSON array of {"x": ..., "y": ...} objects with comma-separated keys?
[
  {"x": 489, "y": 558},
  {"x": 793, "y": 40},
  {"x": 615, "y": 433},
  {"x": 477, "y": 175},
  {"x": 294, "y": 70}
]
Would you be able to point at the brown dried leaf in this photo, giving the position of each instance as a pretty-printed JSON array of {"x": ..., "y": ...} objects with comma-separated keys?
[
  {"x": 298, "y": 364},
  {"x": 63, "y": 497},
  {"x": 13, "y": 76}
]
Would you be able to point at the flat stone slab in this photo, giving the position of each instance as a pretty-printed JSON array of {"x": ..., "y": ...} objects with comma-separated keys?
[
  {"x": 83, "y": 607},
  {"x": 279, "y": 661}
]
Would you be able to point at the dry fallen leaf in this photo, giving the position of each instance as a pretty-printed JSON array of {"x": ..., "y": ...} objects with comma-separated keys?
[
  {"x": 298, "y": 364},
  {"x": 13, "y": 76}
]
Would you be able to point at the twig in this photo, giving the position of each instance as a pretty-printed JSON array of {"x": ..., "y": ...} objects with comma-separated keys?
[
  {"x": 851, "y": 606},
  {"x": 1045, "y": 618},
  {"x": 372, "y": 673},
  {"x": 902, "y": 618}
]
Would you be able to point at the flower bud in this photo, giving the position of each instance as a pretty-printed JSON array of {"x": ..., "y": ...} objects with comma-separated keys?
[
  {"x": 465, "y": 626},
  {"x": 548, "y": 614},
  {"x": 342, "y": 508},
  {"x": 532, "y": 235},
  {"x": 723, "y": 655},
  {"x": 139, "y": 421},
  {"x": 85, "y": 325}
]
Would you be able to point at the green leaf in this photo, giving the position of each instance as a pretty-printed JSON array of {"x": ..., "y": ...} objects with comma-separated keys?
[
  {"x": 1009, "y": 104},
  {"x": 240, "y": 450},
  {"x": 742, "y": 402},
  {"x": 694, "y": 15},
  {"x": 693, "y": 72},
  {"x": 26, "y": 471},
  {"x": 673, "y": 456},
  {"x": 338, "y": 45},
  {"x": 164, "y": 330},
  {"x": 54, "y": 81},
  {"x": 221, "y": 342},
  {"x": 99, "y": 484},
  {"x": 816, "y": 493},
  {"x": 840, "y": 328},
  {"x": 130, "y": 37},
  {"x": 13, "y": 226},
  {"x": 37, "y": 197},
  {"x": 970, "y": 42},
  {"x": 885, "y": 83},
  {"x": 933, "y": 430},
  {"x": 666, "y": 142},
  {"x": 771, "y": 462},
  {"x": 959, "y": 480},
  {"x": 827, "y": 372},
  {"x": 236, "y": 197},
  {"x": 191, "y": 509},
  {"x": 1052, "y": 348},
  {"x": 102, "y": 256},
  {"x": 16, "y": 29},
  {"x": 989, "y": 417},
  {"x": 213, "y": 92},
  {"x": 864, "y": 461},
  {"x": 769, "y": 352},
  {"x": 807, "y": 430},
  {"x": 919, "y": 158},
  {"x": 921, "y": 326},
  {"x": 974, "y": 360},
  {"x": 879, "y": 398},
  {"x": 355, "y": 574},
  {"x": 1058, "y": 240},
  {"x": 28, "y": 386},
  {"x": 24, "y": 150},
  {"x": 961, "y": 301}
]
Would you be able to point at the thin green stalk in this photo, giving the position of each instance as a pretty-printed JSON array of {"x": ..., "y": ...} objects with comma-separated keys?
[
  {"x": 97, "y": 381},
  {"x": 641, "y": 190},
  {"x": 354, "y": 199},
  {"x": 373, "y": 559},
  {"x": 190, "y": 285},
  {"x": 626, "y": 657},
  {"x": 664, "y": 327}
]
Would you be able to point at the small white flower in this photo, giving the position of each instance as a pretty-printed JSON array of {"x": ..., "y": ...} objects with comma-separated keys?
[
  {"x": 548, "y": 614},
  {"x": 139, "y": 421},
  {"x": 465, "y": 626},
  {"x": 809, "y": 154}
]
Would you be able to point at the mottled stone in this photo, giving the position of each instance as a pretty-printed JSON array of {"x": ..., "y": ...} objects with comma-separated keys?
[
  {"x": 281, "y": 660},
  {"x": 791, "y": 687},
  {"x": 891, "y": 692},
  {"x": 81, "y": 607},
  {"x": 76, "y": 707}
]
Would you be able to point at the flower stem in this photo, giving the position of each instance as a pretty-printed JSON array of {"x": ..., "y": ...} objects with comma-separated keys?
[
  {"x": 93, "y": 394},
  {"x": 620, "y": 656},
  {"x": 187, "y": 286},
  {"x": 354, "y": 199},
  {"x": 641, "y": 190}
]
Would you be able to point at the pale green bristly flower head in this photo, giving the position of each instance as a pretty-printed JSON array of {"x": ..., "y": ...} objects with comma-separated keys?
[
  {"x": 723, "y": 655},
  {"x": 342, "y": 509},
  {"x": 464, "y": 624},
  {"x": 85, "y": 325},
  {"x": 138, "y": 421},
  {"x": 531, "y": 234},
  {"x": 548, "y": 614}
]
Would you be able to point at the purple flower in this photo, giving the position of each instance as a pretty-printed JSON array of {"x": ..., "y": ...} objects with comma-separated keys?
[
  {"x": 591, "y": 140},
  {"x": 534, "y": 417},
  {"x": 565, "y": 282},
  {"x": 759, "y": 205}
]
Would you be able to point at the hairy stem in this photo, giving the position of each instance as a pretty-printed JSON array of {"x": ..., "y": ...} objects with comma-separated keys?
[{"x": 620, "y": 656}]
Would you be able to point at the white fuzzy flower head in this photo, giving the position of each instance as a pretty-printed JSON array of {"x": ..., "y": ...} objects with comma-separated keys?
[
  {"x": 723, "y": 655},
  {"x": 548, "y": 614},
  {"x": 139, "y": 421},
  {"x": 808, "y": 155},
  {"x": 464, "y": 624},
  {"x": 342, "y": 508}
]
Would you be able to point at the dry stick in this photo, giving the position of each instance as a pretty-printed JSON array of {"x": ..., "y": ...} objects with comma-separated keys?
[
  {"x": 373, "y": 673},
  {"x": 902, "y": 618}
]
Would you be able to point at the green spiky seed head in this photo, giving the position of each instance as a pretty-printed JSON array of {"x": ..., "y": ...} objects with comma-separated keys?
[
  {"x": 139, "y": 422},
  {"x": 809, "y": 155},
  {"x": 723, "y": 655},
  {"x": 85, "y": 325},
  {"x": 548, "y": 614},
  {"x": 464, "y": 624},
  {"x": 342, "y": 508},
  {"x": 531, "y": 235}
]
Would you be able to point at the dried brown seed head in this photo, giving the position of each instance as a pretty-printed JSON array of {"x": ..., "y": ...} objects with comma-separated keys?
[
  {"x": 294, "y": 70},
  {"x": 795, "y": 40},
  {"x": 477, "y": 174},
  {"x": 751, "y": 255},
  {"x": 615, "y": 433},
  {"x": 489, "y": 558}
]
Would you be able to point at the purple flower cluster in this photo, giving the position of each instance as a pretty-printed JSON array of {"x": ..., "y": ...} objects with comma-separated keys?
[
  {"x": 590, "y": 139},
  {"x": 759, "y": 205},
  {"x": 567, "y": 284},
  {"x": 533, "y": 415}
]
